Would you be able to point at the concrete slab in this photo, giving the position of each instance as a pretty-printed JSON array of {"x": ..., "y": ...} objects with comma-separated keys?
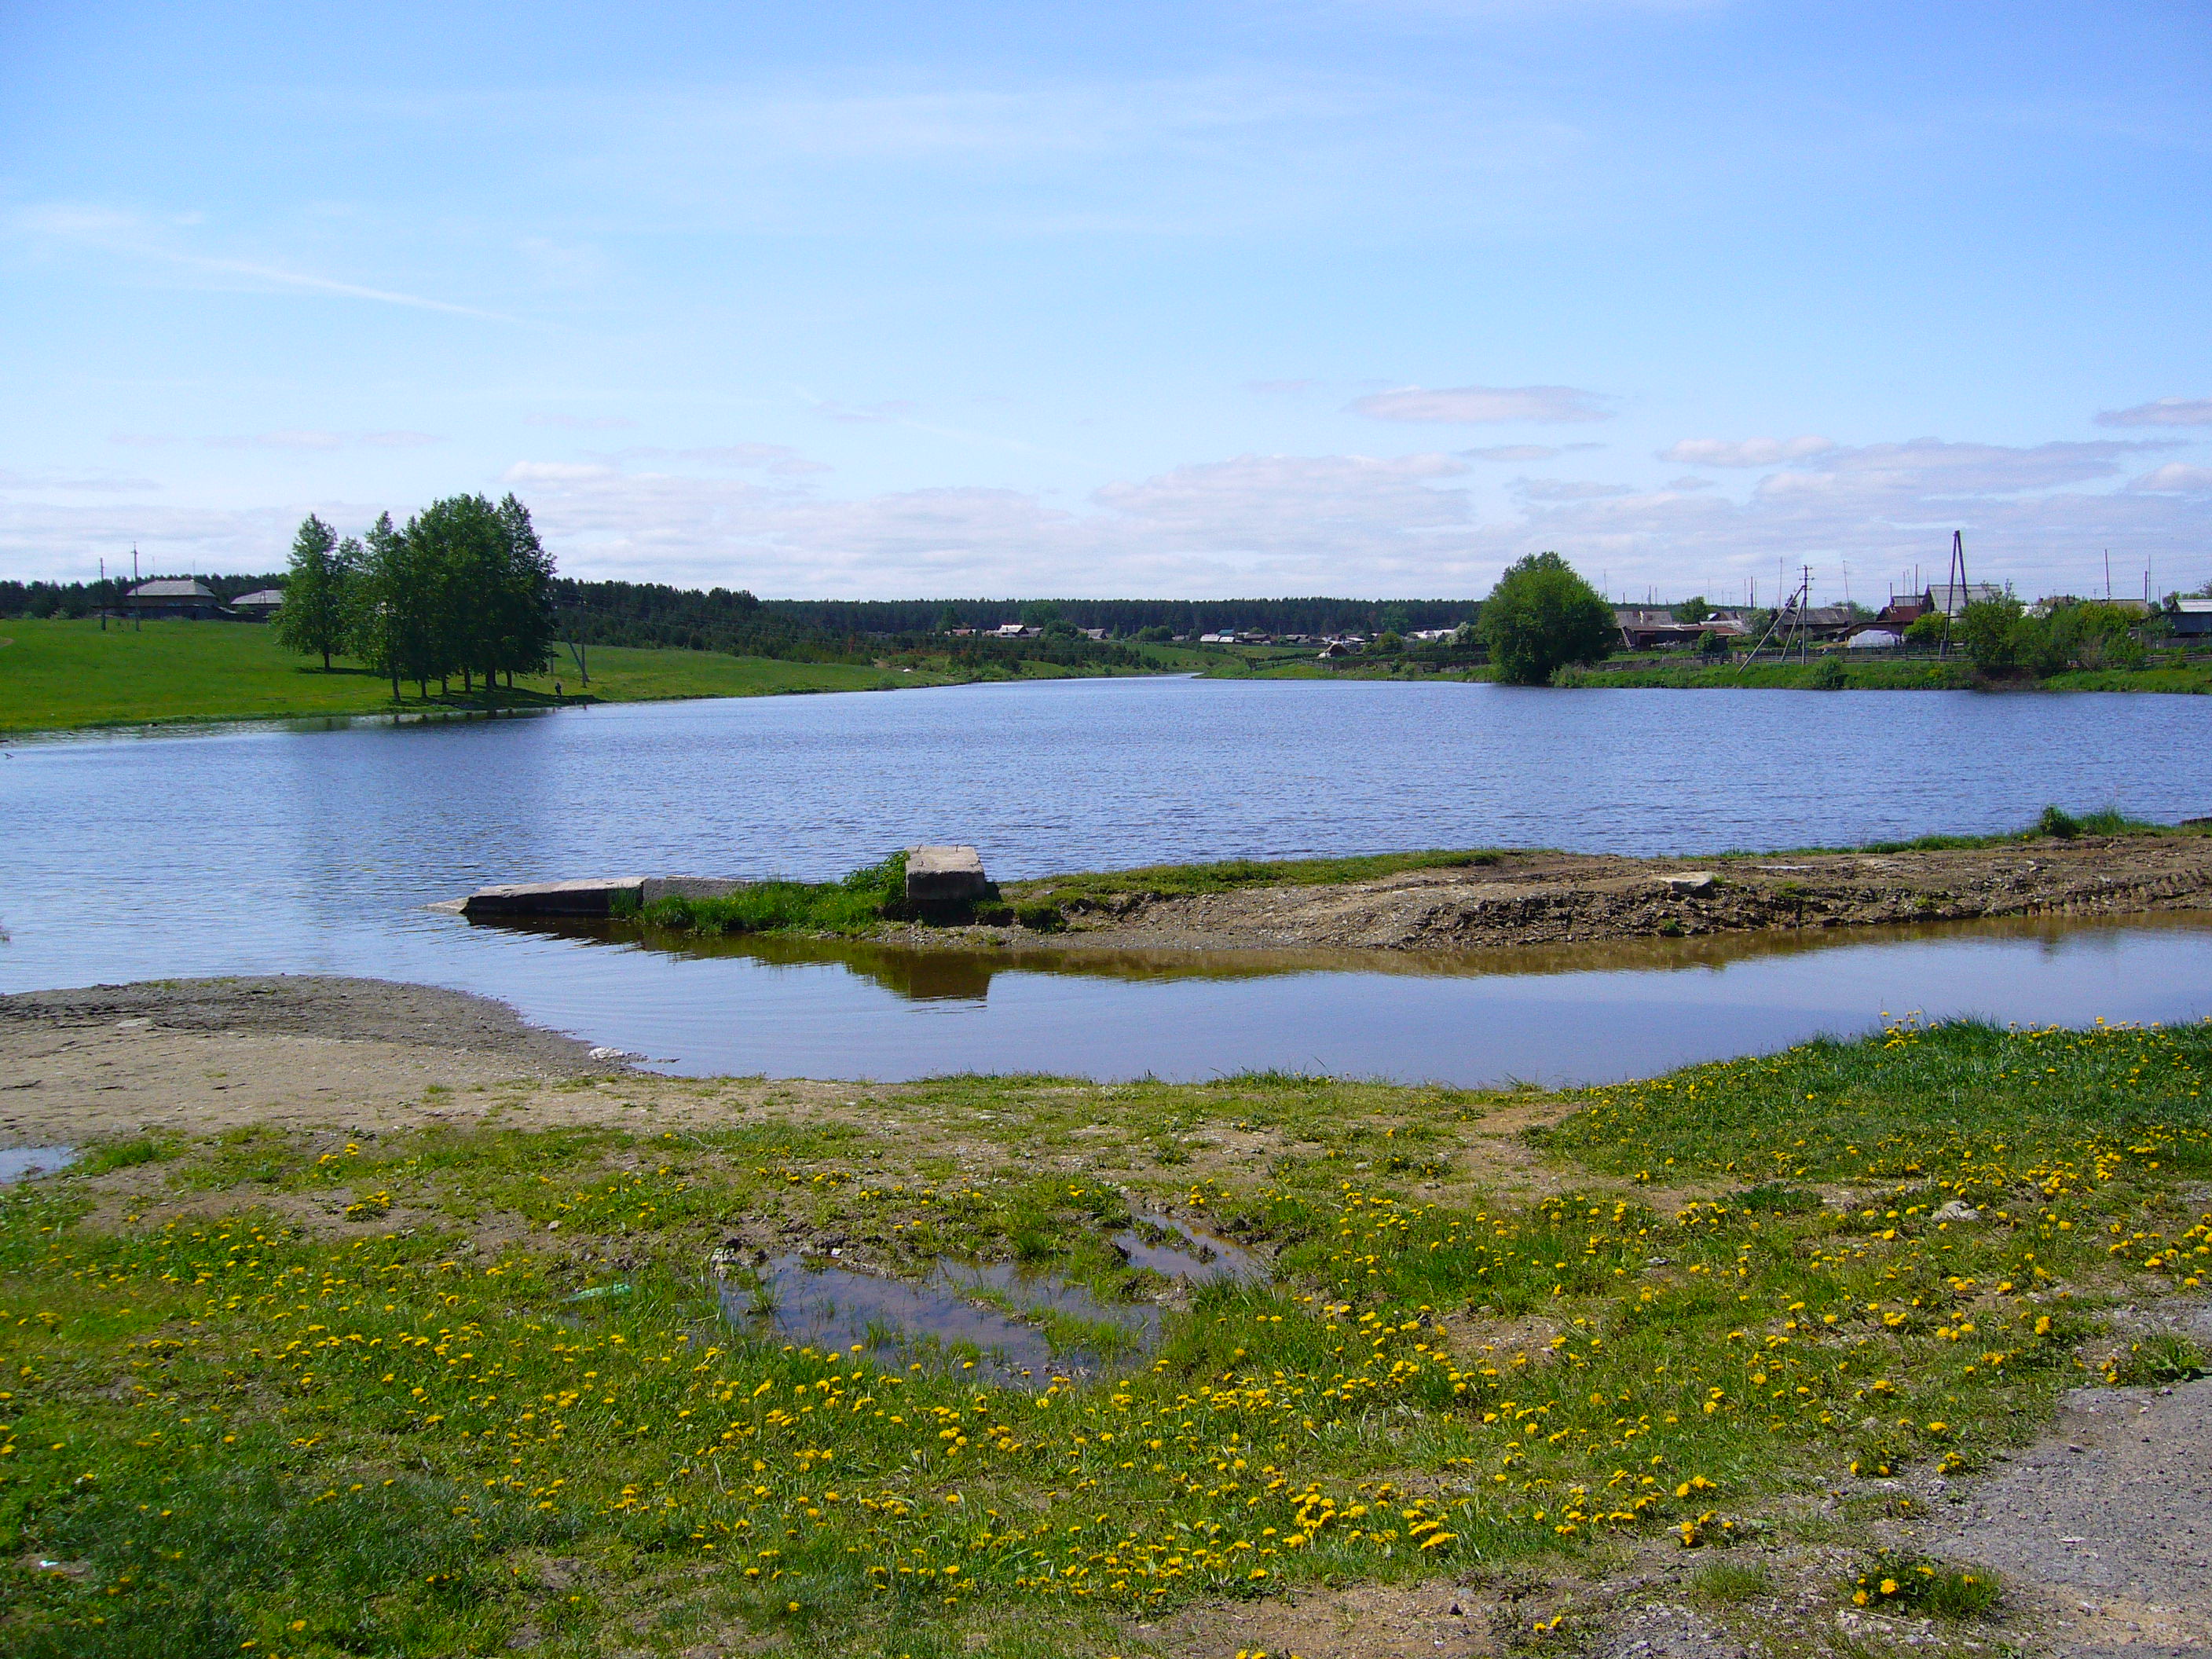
[
  {"x": 553, "y": 898},
  {"x": 945, "y": 875}
]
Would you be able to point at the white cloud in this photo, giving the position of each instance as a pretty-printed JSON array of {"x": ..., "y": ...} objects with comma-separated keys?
[
  {"x": 95, "y": 484},
  {"x": 558, "y": 472},
  {"x": 1482, "y": 404},
  {"x": 1567, "y": 489},
  {"x": 1258, "y": 523},
  {"x": 2165, "y": 411},
  {"x": 2176, "y": 478},
  {"x": 309, "y": 439},
  {"x": 1513, "y": 453},
  {"x": 1930, "y": 468},
  {"x": 780, "y": 459},
  {"x": 1743, "y": 452}
]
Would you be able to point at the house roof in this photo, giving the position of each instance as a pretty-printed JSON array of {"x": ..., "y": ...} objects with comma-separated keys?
[
  {"x": 268, "y": 596},
  {"x": 168, "y": 588}
]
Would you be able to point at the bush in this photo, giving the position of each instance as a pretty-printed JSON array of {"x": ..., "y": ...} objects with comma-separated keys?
[
  {"x": 1991, "y": 631},
  {"x": 1828, "y": 675},
  {"x": 1041, "y": 918},
  {"x": 859, "y": 902},
  {"x": 1542, "y": 616},
  {"x": 2059, "y": 823}
]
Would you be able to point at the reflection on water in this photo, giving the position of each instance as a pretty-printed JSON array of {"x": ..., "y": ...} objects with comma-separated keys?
[
  {"x": 1175, "y": 1250},
  {"x": 1575, "y": 1013},
  {"x": 960, "y": 971},
  {"x": 27, "y": 1162},
  {"x": 1000, "y": 1320}
]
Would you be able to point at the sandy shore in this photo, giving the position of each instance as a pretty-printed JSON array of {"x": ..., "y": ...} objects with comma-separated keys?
[{"x": 199, "y": 1056}]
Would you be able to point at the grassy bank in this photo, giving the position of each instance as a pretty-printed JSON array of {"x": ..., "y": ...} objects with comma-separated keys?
[
  {"x": 58, "y": 676},
  {"x": 466, "y": 1389},
  {"x": 1676, "y": 673}
]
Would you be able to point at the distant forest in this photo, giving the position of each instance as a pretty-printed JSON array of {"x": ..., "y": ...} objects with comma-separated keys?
[
  {"x": 718, "y": 619},
  {"x": 630, "y": 613}
]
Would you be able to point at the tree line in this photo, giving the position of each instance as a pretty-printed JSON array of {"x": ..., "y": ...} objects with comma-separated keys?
[
  {"x": 720, "y": 618},
  {"x": 465, "y": 587}
]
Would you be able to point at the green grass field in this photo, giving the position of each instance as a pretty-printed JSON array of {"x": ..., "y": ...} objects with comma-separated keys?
[
  {"x": 59, "y": 676},
  {"x": 466, "y": 1388}
]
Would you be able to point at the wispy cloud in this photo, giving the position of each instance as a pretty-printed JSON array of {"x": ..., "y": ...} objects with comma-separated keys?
[
  {"x": 134, "y": 237},
  {"x": 581, "y": 423},
  {"x": 95, "y": 484},
  {"x": 780, "y": 458},
  {"x": 1525, "y": 452},
  {"x": 1475, "y": 405},
  {"x": 1744, "y": 452},
  {"x": 2165, "y": 411},
  {"x": 299, "y": 438},
  {"x": 2175, "y": 478}
]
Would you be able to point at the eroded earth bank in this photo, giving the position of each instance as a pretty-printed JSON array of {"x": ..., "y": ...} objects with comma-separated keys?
[{"x": 1512, "y": 899}]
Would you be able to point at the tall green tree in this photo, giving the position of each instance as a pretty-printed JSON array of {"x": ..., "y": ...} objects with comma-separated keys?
[
  {"x": 401, "y": 631},
  {"x": 317, "y": 604},
  {"x": 526, "y": 626},
  {"x": 1542, "y": 617}
]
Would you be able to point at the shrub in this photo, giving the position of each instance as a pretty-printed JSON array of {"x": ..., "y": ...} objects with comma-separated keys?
[
  {"x": 855, "y": 905},
  {"x": 1041, "y": 918},
  {"x": 1542, "y": 616},
  {"x": 2057, "y": 823},
  {"x": 1828, "y": 675}
]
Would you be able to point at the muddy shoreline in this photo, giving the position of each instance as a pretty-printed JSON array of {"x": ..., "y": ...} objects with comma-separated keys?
[{"x": 1539, "y": 898}]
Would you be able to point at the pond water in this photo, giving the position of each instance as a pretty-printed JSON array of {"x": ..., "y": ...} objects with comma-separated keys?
[{"x": 314, "y": 846}]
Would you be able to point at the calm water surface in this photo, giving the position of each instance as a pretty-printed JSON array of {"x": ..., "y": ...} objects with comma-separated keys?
[{"x": 314, "y": 849}]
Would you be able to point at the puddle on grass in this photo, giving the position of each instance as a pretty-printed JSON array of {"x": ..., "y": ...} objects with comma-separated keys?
[
  {"x": 1175, "y": 1250},
  {"x": 980, "y": 1318},
  {"x": 22, "y": 1162}
]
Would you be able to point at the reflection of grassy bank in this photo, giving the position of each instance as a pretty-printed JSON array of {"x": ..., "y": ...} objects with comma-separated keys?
[
  {"x": 56, "y": 676},
  {"x": 960, "y": 969},
  {"x": 328, "y": 1395}
]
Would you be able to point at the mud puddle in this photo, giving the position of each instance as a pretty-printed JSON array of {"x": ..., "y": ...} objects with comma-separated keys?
[
  {"x": 25, "y": 1163},
  {"x": 996, "y": 1320}
]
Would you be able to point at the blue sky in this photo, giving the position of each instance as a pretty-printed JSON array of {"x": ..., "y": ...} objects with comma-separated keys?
[{"x": 1350, "y": 297}]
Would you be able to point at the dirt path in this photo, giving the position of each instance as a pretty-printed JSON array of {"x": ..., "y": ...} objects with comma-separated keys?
[
  {"x": 2104, "y": 1525},
  {"x": 1537, "y": 898}
]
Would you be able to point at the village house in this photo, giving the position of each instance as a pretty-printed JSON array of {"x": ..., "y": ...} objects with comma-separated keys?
[
  {"x": 258, "y": 605},
  {"x": 186, "y": 597}
]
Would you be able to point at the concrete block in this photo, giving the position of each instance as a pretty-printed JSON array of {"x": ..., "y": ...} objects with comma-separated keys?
[
  {"x": 945, "y": 875},
  {"x": 552, "y": 898}
]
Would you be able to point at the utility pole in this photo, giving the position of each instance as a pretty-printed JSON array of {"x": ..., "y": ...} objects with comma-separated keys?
[
  {"x": 1954, "y": 589},
  {"x": 137, "y": 620},
  {"x": 103, "y": 592}
]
